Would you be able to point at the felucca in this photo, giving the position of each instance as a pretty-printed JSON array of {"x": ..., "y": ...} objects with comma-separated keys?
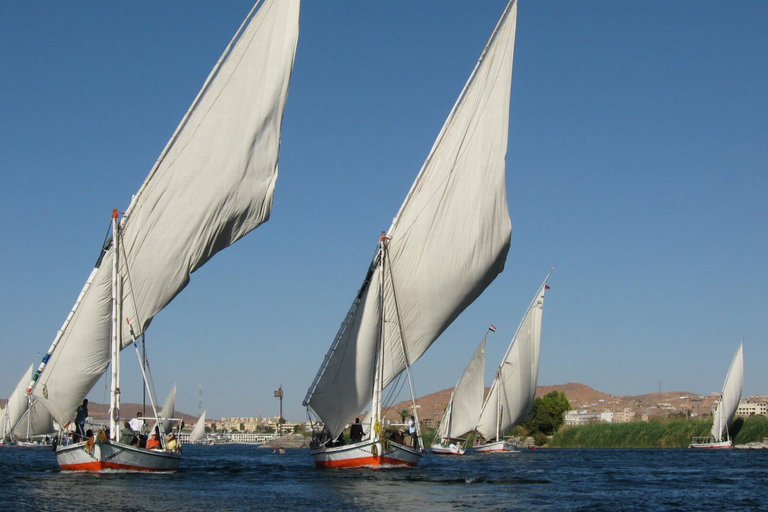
[
  {"x": 514, "y": 388},
  {"x": 212, "y": 184},
  {"x": 446, "y": 244},
  {"x": 464, "y": 406},
  {"x": 726, "y": 407}
]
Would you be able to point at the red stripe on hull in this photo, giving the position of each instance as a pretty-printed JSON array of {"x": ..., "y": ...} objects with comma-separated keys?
[
  {"x": 362, "y": 461},
  {"x": 101, "y": 466}
]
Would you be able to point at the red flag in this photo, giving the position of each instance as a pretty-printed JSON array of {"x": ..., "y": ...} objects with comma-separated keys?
[{"x": 546, "y": 287}]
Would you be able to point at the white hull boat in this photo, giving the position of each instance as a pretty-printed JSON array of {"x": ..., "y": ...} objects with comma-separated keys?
[
  {"x": 726, "y": 407},
  {"x": 710, "y": 443},
  {"x": 109, "y": 455},
  {"x": 367, "y": 454},
  {"x": 451, "y": 449},
  {"x": 212, "y": 184},
  {"x": 495, "y": 447}
]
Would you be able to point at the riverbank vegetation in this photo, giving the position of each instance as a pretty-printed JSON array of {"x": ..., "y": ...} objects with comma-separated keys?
[{"x": 656, "y": 433}]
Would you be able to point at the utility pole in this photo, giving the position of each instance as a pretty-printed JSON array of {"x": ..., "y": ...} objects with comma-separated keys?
[
  {"x": 279, "y": 394},
  {"x": 200, "y": 401}
]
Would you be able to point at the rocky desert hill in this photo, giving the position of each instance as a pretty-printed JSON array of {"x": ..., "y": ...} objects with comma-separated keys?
[{"x": 583, "y": 397}]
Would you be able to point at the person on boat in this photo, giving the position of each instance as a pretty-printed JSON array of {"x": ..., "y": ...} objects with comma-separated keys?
[
  {"x": 356, "y": 431},
  {"x": 412, "y": 431},
  {"x": 153, "y": 443},
  {"x": 137, "y": 424},
  {"x": 82, "y": 414},
  {"x": 171, "y": 444},
  {"x": 127, "y": 435},
  {"x": 398, "y": 436},
  {"x": 67, "y": 439}
]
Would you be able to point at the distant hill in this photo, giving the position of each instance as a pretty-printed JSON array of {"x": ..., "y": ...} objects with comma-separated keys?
[{"x": 583, "y": 397}]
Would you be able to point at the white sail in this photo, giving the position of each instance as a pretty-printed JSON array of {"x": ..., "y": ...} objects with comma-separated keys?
[
  {"x": 198, "y": 433},
  {"x": 514, "y": 388},
  {"x": 729, "y": 402},
  {"x": 213, "y": 184},
  {"x": 17, "y": 405},
  {"x": 168, "y": 411},
  {"x": 447, "y": 243},
  {"x": 36, "y": 421},
  {"x": 467, "y": 398}
]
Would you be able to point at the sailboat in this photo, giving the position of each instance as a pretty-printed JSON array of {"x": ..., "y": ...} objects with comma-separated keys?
[
  {"x": 726, "y": 407},
  {"x": 198, "y": 433},
  {"x": 212, "y": 184},
  {"x": 464, "y": 406},
  {"x": 23, "y": 418},
  {"x": 510, "y": 399},
  {"x": 447, "y": 243},
  {"x": 165, "y": 422}
]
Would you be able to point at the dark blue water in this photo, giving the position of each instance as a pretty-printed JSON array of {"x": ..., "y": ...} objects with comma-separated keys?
[{"x": 242, "y": 477}]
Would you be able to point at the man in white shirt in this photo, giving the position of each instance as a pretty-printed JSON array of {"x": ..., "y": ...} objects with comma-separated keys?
[{"x": 137, "y": 423}]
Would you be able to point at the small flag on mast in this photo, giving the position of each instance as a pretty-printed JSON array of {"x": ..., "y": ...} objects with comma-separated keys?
[
  {"x": 492, "y": 328},
  {"x": 546, "y": 287}
]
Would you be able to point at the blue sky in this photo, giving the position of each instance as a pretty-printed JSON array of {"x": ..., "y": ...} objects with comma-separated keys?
[{"x": 637, "y": 165}]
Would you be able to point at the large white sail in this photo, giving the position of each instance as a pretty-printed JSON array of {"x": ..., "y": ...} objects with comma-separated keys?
[
  {"x": 17, "y": 405},
  {"x": 467, "y": 398},
  {"x": 446, "y": 245},
  {"x": 729, "y": 402},
  {"x": 168, "y": 411},
  {"x": 212, "y": 184},
  {"x": 198, "y": 433},
  {"x": 36, "y": 421},
  {"x": 514, "y": 388}
]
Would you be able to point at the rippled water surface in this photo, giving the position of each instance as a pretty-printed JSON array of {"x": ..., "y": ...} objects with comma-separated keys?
[{"x": 242, "y": 477}]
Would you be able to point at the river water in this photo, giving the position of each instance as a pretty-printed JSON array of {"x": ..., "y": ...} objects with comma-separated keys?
[{"x": 243, "y": 477}]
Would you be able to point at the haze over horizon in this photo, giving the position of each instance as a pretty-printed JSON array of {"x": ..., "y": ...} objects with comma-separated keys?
[{"x": 637, "y": 166}]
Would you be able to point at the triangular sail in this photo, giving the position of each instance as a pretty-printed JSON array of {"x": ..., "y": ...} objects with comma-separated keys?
[
  {"x": 514, "y": 388},
  {"x": 198, "y": 433},
  {"x": 36, "y": 421},
  {"x": 17, "y": 405},
  {"x": 168, "y": 411},
  {"x": 729, "y": 402},
  {"x": 467, "y": 397},
  {"x": 212, "y": 185},
  {"x": 446, "y": 245}
]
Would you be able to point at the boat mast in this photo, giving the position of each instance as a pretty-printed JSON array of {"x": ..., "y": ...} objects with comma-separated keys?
[
  {"x": 498, "y": 401},
  {"x": 379, "y": 374},
  {"x": 117, "y": 331}
]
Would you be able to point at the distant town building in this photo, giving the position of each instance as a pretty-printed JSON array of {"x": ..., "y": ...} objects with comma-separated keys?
[
  {"x": 747, "y": 408},
  {"x": 574, "y": 418},
  {"x": 624, "y": 416}
]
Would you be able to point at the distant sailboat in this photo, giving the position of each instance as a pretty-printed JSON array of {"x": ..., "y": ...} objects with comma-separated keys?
[
  {"x": 198, "y": 433},
  {"x": 165, "y": 422},
  {"x": 464, "y": 406},
  {"x": 726, "y": 408},
  {"x": 23, "y": 418},
  {"x": 212, "y": 184},
  {"x": 514, "y": 388},
  {"x": 447, "y": 243}
]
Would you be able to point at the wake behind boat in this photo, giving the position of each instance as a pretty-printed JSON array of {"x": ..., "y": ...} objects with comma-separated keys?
[
  {"x": 726, "y": 408},
  {"x": 446, "y": 244},
  {"x": 191, "y": 206}
]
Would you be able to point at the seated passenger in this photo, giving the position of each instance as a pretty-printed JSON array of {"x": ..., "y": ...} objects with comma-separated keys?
[
  {"x": 127, "y": 435},
  {"x": 153, "y": 443},
  {"x": 171, "y": 444}
]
